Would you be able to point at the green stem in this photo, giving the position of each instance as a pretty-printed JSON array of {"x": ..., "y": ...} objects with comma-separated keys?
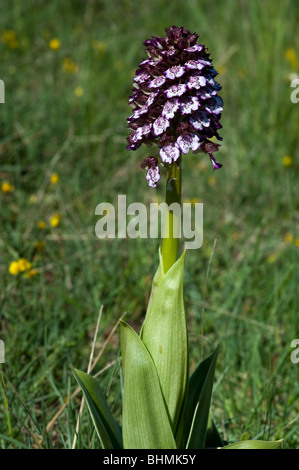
[{"x": 172, "y": 223}]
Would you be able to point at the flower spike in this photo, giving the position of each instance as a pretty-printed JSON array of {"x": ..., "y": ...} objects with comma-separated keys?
[{"x": 175, "y": 101}]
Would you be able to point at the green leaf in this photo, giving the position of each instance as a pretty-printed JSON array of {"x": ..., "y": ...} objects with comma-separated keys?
[
  {"x": 196, "y": 419},
  {"x": 145, "y": 419},
  {"x": 213, "y": 439},
  {"x": 108, "y": 430},
  {"x": 156, "y": 281},
  {"x": 164, "y": 333},
  {"x": 255, "y": 445}
]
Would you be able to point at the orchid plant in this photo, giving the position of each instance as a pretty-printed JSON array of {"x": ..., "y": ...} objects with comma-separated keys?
[{"x": 177, "y": 107}]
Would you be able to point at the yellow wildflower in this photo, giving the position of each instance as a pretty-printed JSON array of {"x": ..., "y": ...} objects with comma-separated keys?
[
  {"x": 271, "y": 258},
  {"x": 291, "y": 56},
  {"x": 54, "y": 178},
  {"x": 54, "y": 44},
  {"x": 9, "y": 38},
  {"x": 297, "y": 242},
  {"x": 31, "y": 273},
  {"x": 42, "y": 225},
  {"x": 6, "y": 187},
  {"x": 8, "y": 35},
  {"x": 14, "y": 268},
  {"x": 78, "y": 91},
  {"x": 70, "y": 66},
  {"x": 55, "y": 220},
  {"x": 287, "y": 161},
  {"x": 24, "y": 264},
  {"x": 288, "y": 238},
  {"x": 100, "y": 46}
]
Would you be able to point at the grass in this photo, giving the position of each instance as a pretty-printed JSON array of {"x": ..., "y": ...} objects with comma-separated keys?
[{"x": 65, "y": 112}]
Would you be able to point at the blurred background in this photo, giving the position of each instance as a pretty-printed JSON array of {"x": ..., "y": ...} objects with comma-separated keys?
[{"x": 68, "y": 69}]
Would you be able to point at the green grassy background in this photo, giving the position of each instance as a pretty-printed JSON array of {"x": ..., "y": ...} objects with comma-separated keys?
[{"x": 250, "y": 297}]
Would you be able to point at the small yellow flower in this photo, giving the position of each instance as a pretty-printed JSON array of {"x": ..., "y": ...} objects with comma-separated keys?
[
  {"x": 8, "y": 35},
  {"x": 24, "y": 264},
  {"x": 78, "y": 91},
  {"x": 291, "y": 56},
  {"x": 70, "y": 66},
  {"x": 9, "y": 38},
  {"x": 54, "y": 178},
  {"x": 31, "y": 273},
  {"x": 100, "y": 46},
  {"x": 54, "y": 44},
  {"x": 288, "y": 238},
  {"x": 42, "y": 225},
  {"x": 6, "y": 187},
  {"x": 14, "y": 44},
  {"x": 14, "y": 268},
  {"x": 287, "y": 161},
  {"x": 55, "y": 220},
  {"x": 271, "y": 258},
  {"x": 297, "y": 242}
]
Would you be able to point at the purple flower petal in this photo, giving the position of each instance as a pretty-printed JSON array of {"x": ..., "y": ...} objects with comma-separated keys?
[
  {"x": 215, "y": 105},
  {"x": 157, "y": 82},
  {"x": 160, "y": 125},
  {"x": 170, "y": 153},
  {"x": 189, "y": 104},
  {"x": 141, "y": 78},
  {"x": 216, "y": 165},
  {"x": 188, "y": 141},
  {"x": 194, "y": 64},
  {"x": 200, "y": 120},
  {"x": 170, "y": 108},
  {"x": 153, "y": 176},
  {"x": 151, "y": 98},
  {"x": 175, "y": 72},
  {"x": 138, "y": 112},
  {"x": 176, "y": 90},
  {"x": 196, "y": 81},
  {"x": 195, "y": 48}
]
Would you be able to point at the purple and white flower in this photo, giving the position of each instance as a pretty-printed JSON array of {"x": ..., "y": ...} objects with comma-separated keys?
[{"x": 175, "y": 101}]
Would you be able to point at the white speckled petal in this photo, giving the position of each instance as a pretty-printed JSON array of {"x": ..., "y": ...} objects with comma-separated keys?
[
  {"x": 170, "y": 153},
  {"x": 195, "y": 48},
  {"x": 160, "y": 125},
  {"x": 200, "y": 120},
  {"x": 157, "y": 82},
  {"x": 138, "y": 112},
  {"x": 176, "y": 90},
  {"x": 175, "y": 72},
  {"x": 170, "y": 108},
  {"x": 215, "y": 105},
  {"x": 141, "y": 78},
  {"x": 153, "y": 176},
  {"x": 189, "y": 104},
  {"x": 187, "y": 142},
  {"x": 196, "y": 81},
  {"x": 194, "y": 65}
]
